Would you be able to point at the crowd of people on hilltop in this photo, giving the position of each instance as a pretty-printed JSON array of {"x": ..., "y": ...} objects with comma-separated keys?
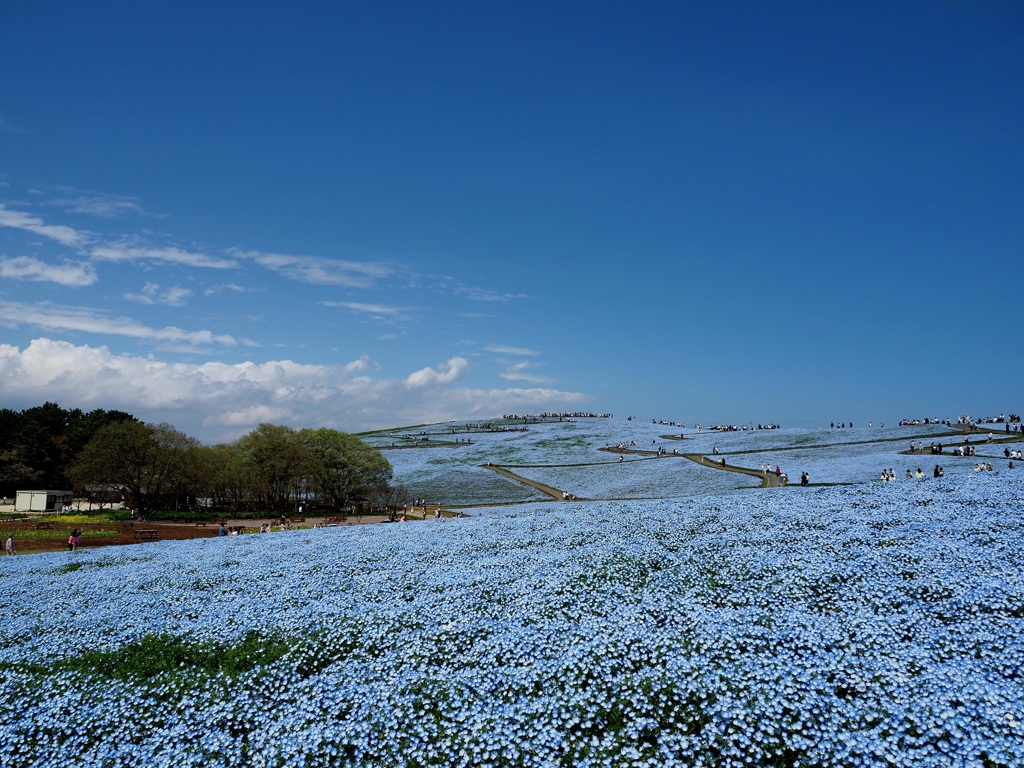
[
  {"x": 1000, "y": 419},
  {"x": 711, "y": 428},
  {"x": 1012, "y": 423},
  {"x": 736, "y": 428},
  {"x": 549, "y": 416}
]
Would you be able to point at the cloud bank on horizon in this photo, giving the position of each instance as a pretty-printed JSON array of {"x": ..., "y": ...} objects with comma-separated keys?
[
  {"x": 151, "y": 375},
  {"x": 220, "y": 400},
  {"x": 389, "y": 213}
]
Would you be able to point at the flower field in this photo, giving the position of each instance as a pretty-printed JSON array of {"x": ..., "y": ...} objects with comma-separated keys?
[
  {"x": 866, "y": 625},
  {"x": 566, "y": 455}
]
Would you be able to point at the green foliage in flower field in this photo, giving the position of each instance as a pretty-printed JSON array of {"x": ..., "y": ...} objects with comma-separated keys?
[{"x": 155, "y": 655}]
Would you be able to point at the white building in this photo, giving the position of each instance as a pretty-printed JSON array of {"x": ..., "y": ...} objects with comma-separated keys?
[{"x": 41, "y": 501}]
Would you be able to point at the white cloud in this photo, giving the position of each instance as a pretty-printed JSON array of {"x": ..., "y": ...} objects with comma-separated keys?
[
  {"x": 225, "y": 287},
  {"x": 504, "y": 349},
  {"x": 362, "y": 364},
  {"x": 175, "y": 296},
  {"x": 122, "y": 252},
  {"x": 23, "y": 221},
  {"x": 54, "y": 317},
  {"x": 151, "y": 294},
  {"x": 521, "y": 372},
  {"x": 217, "y": 401},
  {"x": 317, "y": 270},
  {"x": 377, "y": 310},
  {"x": 70, "y": 274},
  {"x": 101, "y": 204},
  {"x": 483, "y": 294},
  {"x": 424, "y": 377}
]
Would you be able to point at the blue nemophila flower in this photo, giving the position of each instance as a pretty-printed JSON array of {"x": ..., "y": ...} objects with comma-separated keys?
[{"x": 854, "y": 626}]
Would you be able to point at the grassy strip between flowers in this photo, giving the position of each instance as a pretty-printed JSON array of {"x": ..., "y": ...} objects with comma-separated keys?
[{"x": 156, "y": 657}]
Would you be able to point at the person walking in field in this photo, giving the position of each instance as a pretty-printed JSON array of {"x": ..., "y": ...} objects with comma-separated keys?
[{"x": 10, "y": 545}]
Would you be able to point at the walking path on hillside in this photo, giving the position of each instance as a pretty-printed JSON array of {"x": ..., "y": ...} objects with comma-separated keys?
[
  {"x": 998, "y": 437},
  {"x": 768, "y": 480},
  {"x": 422, "y": 443},
  {"x": 994, "y": 428},
  {"x": 718, "y": 460},
  {"x": 551, "y": 491}
]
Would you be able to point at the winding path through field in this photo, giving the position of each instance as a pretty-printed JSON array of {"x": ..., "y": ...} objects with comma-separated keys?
[
  {"x": 768, "y": 480},
  {"x": 718, "y": 461},
  {"x": 551, "y": 491}
]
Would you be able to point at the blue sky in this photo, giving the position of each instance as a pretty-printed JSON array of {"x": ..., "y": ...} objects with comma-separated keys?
[{"x": 361, "y": 215}]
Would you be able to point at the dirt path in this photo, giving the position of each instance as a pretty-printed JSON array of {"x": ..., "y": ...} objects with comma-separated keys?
[
  {"x": 554, "y": 493},
  {"x": 998, "y": 435},
  {"x": 768, "y": 480},
  {"x": 41, "y": 534}
]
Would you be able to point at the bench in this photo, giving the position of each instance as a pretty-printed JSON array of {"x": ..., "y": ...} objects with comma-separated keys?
[
  {"x": 43, "y": 526},
  {"x": 147, "y": 535}
]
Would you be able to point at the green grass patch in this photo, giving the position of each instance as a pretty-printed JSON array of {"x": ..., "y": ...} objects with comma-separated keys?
[{"x": 162, "y": 654}]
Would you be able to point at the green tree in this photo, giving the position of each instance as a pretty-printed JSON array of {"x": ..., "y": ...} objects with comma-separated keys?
[
  {"x": 81, "y": 426},
  {"x": 150, "y": 462},
  {"x": 228, "y": 478},
  {"x": 343, "y": 466},
  {"x": 277, "y": 463},
  {"x": 38, "y": 444}
]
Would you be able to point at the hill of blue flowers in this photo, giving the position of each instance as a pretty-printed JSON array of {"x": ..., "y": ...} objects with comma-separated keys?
[{"x": 861, "y": 625}]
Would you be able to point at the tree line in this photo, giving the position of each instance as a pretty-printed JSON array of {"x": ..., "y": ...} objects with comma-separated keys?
[{"x": 110, "y": 455}]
